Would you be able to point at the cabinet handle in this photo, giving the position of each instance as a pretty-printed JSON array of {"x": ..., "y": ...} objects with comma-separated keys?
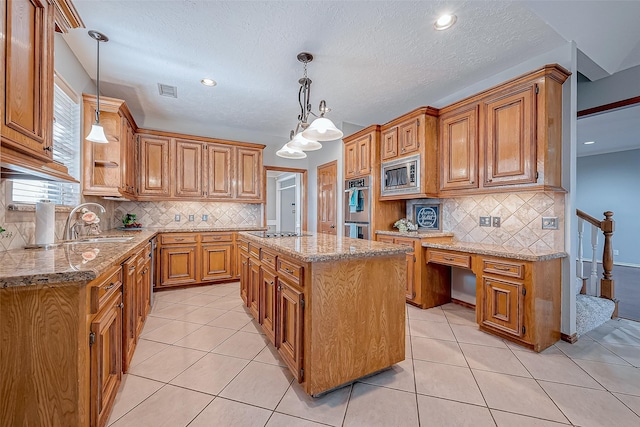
[
  {"x": 497, "y": 267},
  {"x": 490, "y": 180},
  {"x": 471, "y": 182},
  {"x": 332, "y": 226},
  {"x": 121, "y": 305},
  {"x": 448, "y": 258},
  {"x": 49, "y": 148},
  {"x": 271, "y": 282},
  {"x": 288, "y": 271},
  {"x": 279, "y": 287},
  {"x": 179, "y": 239},
  {"x": 111, "y": 285},
  {"x": 131, "y": 268}
]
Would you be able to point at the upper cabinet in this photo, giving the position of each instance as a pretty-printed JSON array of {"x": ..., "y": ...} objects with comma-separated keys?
[
  {"x": 110, "y": 169},
  {"x": 189, "y": 163},
  {"x": 248, "y": 177},
  {"x": 220, "y": 165},
  {"x": 153, "y": 164},
  {"x": 359, "y": 152},
  {"x": 508, "y": 138}
]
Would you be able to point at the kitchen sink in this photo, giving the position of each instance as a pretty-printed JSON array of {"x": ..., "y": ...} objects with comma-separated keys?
[{"x": 113, "y": 239}]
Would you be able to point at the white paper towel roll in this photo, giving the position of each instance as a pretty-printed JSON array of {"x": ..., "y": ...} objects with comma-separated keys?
[{"x": 45, "y": 223}]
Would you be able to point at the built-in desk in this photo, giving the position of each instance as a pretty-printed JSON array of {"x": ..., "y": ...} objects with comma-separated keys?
[{"x": 518, "y": 291}]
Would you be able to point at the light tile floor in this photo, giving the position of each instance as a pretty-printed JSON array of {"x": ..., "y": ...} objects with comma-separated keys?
[{"x": 202, "y": 361}]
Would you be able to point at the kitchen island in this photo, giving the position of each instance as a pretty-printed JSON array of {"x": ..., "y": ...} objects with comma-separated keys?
[{"x": 334, "y": 307}]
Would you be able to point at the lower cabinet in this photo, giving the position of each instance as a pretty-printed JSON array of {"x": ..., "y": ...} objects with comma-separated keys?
[
  {"x": 244, "y": 276},
  {"x": 216, "y": 262},
  {"x": 255, "y": 275},
  {"x": 106, "y": 358},
  {"x": 178, "y": 265},
  {"x": 129, "y": 294},
  {"x": 290, "y": 322},
  {"x": 502, "y": 307},
  {"x": 268, "y": 305}
]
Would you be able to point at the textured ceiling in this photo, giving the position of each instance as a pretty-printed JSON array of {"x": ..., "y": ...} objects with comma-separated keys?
[{"x": 374, "y": 60}]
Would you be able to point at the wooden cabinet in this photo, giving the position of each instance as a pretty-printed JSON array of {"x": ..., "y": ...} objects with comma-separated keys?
[
  {"x": 109, "y": 169},
  {"x": 26, "y": 86},
  {"x": 502, "y": 305},
  {"x": 508, "y": 138},
  {"x": 217, "y": 261},
  {"x": 243, "y": 258},
  {"x": 410, "y": 137},
  {"x": 253, "y": 294},
  {"x": 188, "y": 168},
  {"x": 143, "y": 283},
  {"x": 178, "y": 264},
  {"x": 459, "y": 149},
  {"x": 389, "y": 144},
  {"x": 220, "y": 161},
  {"x": 249, "y": 174},
  {"x": 358, "y": 156},
  {"x": 291, "y": 321},
  {"x": 129, "y": 296},
  {"x": 407, "y": 135},
  {"x": 105, "y": 359},
  {"x": 269, "y": 304},
  {"x": 154, "y": 167}
]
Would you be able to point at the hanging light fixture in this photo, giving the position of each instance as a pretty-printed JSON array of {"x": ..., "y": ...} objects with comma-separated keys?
[
  {"x": 97, "y": 131},
  {"x": 306, "y": 137}
]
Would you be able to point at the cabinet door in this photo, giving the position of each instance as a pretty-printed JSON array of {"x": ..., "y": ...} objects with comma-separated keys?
[
  {"x": 178, "y": 265},
  {"x": 268, "y": 305},
  {"x": 142, "y": 290},
  {"x": 383, "y": 238},
  {"x": 290, "y": 319},
  {"x": 389, "y": 144},
  {"x": 188, "y": 169},
  {"x": 459, "y": 149},
  {"x": 249, "y": 174},
  {"x": 219, "y": 173},
  {"x": 154, "y": 166},
  {"x": 216, "y": 262},
  {"x": 27, "y": 76},
  {"x": 254, "y": 288},
  {"x": 510, "y": 146},
  {"x": 503, "y": 305},
  {"x": 411, "y": 266},
  {"x": 350, "y": 160},
  {"x": 106, "y": 359},
  {"x": 244, "y": 277},
  {"x": 128, "y": 159},
  {"x": 364, "y": 156},
  {"x": 409, "y": 136},
  {"x": 129, "y": 312},
  {"x": 103, "y": 162}
]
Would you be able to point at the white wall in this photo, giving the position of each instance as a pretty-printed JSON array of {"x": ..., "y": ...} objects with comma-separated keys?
[
  {"x": 617, "y": 87},
  {"x": 68, "y": 67}
]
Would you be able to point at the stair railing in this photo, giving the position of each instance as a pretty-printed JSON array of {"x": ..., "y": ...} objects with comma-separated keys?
[{"x": 605, "y": 286}]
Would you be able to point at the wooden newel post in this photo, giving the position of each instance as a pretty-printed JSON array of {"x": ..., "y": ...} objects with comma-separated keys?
[{"x": 606, "y": 283}]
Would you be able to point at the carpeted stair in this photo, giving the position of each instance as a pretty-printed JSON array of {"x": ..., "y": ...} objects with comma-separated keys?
[{"x": 592, "y": 312}]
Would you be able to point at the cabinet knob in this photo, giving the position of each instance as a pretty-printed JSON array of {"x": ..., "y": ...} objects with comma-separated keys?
[
  {"x": 332, "y": 226},
  {"x": 271, "y": 282},
  {"x": 121, "y": 305},
  {"x": 49, "y": 148}
]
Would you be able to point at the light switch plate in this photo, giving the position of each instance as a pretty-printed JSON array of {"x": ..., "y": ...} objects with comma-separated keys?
[
  {"x": 549, "y": 222},
  {"x": 205, "y": 217},
  {"x": 495, "y": 221},
  {"x": 177, "y": 218},
  {"x": 192, "y": 218},
  {"x": 485, "y": 221}
]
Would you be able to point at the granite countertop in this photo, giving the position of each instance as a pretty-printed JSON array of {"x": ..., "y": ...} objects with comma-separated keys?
[
  {"x": 315, "y": 247},
  {"x": 80, "y": 263},
  {"x": 418, "y": 233},
  {"x": 524, "y": 254}
]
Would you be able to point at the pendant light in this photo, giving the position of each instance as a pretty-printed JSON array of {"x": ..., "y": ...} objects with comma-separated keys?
[
  {"x": 97, "y": 131},
  {"x": 306, "y": 137}
]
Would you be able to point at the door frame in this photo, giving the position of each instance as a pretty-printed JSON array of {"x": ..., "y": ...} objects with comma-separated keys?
[
  {"x": 303, "y": 193},
  {"x": 322, "y": 166}
]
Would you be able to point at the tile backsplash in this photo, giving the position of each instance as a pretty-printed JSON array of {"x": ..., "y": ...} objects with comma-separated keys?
[{"x": 520, "y": 216}]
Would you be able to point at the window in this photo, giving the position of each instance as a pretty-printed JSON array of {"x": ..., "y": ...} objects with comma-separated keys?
[{"x": 66, "y": 150}]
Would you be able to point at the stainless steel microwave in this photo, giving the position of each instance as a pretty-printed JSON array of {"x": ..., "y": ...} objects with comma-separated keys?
[{"x": 401, "y": 176}]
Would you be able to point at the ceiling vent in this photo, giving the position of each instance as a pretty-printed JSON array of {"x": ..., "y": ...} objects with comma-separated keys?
[{"x": 166, "y": 90}]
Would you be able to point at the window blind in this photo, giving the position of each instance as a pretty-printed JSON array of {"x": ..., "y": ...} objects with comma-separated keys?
[{"x": 66, "y": 150}]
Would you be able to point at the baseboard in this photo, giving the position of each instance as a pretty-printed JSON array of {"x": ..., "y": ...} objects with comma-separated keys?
[
  {"x": 463, "y": 303},
  {"x": 571, "y": 339}
]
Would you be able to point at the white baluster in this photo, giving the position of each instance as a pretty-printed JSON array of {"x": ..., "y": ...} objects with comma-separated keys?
[
  {"x": 580, "y": 263},
  {"x": 594, "y": 284}
]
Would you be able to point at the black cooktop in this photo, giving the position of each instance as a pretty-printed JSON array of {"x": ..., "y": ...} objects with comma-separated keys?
[{"x": 267, "y": 234}]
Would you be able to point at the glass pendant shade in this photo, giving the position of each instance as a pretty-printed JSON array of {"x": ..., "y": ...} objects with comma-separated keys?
[
  {"x": 322, "y": 129},
  {"x": 97, "y": 134},
  {"x": 304, "y": 144},
  {"x": 289, "y": 152}
]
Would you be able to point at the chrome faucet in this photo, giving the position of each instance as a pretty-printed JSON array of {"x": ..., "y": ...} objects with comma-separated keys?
[{"x": 67, "y": 226}]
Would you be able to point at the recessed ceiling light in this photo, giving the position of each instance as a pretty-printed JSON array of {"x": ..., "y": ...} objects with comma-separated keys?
[
  {"x": 445, "y": 21},
  {"x": 208, "y": 82},
  {"x": 589, "y": 142}
]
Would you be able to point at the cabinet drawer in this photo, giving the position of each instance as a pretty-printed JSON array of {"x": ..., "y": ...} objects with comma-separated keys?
[
  {"x": 449, "y": 258},
  {"x": 243, "y": 245},
  {"x": 291, "y": 270},
  {"x": 105, "y": 287},
  {"x": 175, "y": 238},
  {"x": 268, "y": 259},
  {"x": 254, "y": 250},
  {"x": 216, "y": 237},
  {"x": 405, "y": 242},
  {"x": 503, "y": 268}
]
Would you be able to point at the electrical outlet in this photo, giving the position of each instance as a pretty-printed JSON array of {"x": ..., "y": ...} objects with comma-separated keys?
[
  {"x": 177, "y": 218},
  {"x": 485, "y": 221},
  {"x": 549, "y": 222},
  {"x": 205, "y": 217},
  {"x": 616, "y": 252},
  {"x": 495, "y": 221},
  {"x": 192, "y": 218}
]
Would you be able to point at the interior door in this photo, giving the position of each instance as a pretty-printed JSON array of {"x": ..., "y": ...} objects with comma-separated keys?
[{"x": 327, "y": 202}]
